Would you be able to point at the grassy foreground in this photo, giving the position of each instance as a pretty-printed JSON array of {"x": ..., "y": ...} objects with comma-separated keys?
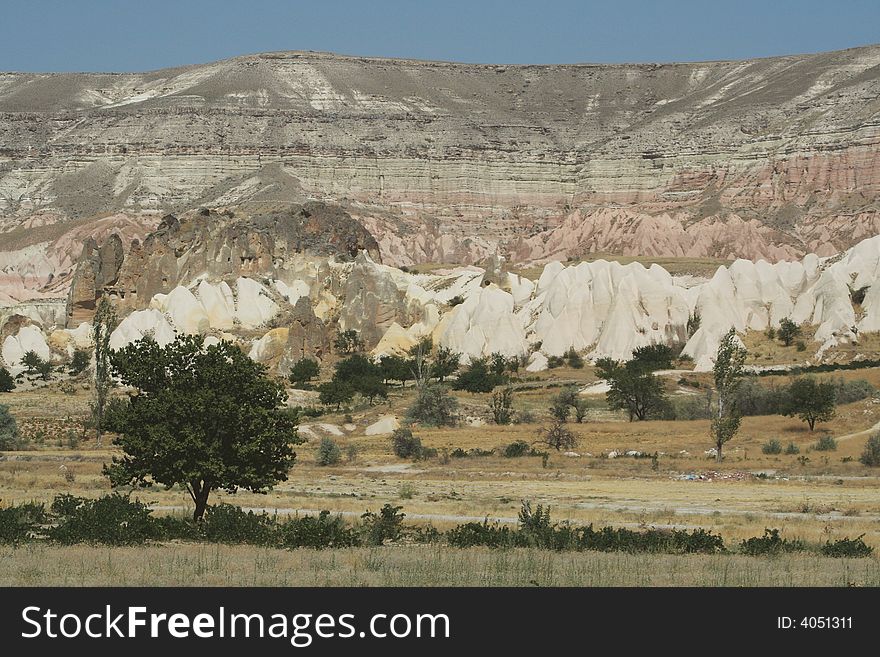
[{"x": 222, "y": 565}]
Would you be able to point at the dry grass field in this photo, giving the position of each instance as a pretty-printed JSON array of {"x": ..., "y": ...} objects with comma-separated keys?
[
  {"x": 815, "y": 496},
  {"x": 221, "y": 565}
]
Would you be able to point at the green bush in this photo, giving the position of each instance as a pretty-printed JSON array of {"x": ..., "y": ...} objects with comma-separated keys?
[
  {"x": 847, "y": 547},
  {"x": 317, "y": 532},
  {"x": 9, "y": 438},
  {"x": 226, "y": 523},
  {"x": 328, "y": 452},
  {"x": 405, "y": 445},
  {"x": 178, "y": 528},
  {"x": 871, "y": 454},
  {"x": 517, "y": 449},
  {"x": 387, "y": 525},
  {"x": 773, "y": 446},
  {"x": 434, "y": 406},
  {"x": 825, "y": 444},
  {"x": 792, "y": 449},
  {"x": 770, "y": 543},
  {"x": 7, "y": 383},
  {"x": 19, "y": 523},
  {"x": 114, "y": 519},
  {"x": 476, "y": 534}
]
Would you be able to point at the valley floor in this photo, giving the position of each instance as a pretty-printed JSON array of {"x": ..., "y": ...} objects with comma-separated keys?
[{"x": 815, "y": 496}]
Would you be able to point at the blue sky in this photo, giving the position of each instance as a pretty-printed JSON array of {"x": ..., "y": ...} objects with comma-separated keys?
[{"x": 131, "y": 35}]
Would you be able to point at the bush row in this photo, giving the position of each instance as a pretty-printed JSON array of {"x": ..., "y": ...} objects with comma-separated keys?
[{"x": 118, "y": 520}]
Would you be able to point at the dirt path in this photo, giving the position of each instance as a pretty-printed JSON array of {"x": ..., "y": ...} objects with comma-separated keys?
[{"x": 872, "y": 429}]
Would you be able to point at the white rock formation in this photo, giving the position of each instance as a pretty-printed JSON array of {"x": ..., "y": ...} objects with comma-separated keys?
[
  {"x": 141, "y": 323},
  {"x": 28, "y": 338},
  {"x": 384, "y": 425}
]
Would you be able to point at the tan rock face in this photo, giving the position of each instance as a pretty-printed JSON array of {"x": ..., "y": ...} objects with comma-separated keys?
[
  {"x": 219, "y": 246},
  {"x": 444, "y": 162}
]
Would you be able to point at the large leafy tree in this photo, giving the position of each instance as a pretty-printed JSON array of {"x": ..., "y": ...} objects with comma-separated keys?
[
  {"x": 206, "y": 418},
  {"x": 632, "y": 387},
  {"x": 445, "y": 363},
  {"x": 812, "y": 401},
  {"x": 729, "y": 371}
]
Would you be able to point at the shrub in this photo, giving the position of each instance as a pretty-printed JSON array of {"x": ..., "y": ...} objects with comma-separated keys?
[
  {"x": 226, "y": 523},
  {"x": 871, "y": 455},
  {"x": 800, "y": 345},
  {"x": 177, "y": 528},
  {"x": 328, "y": 452},
  {"x": 770, "y": 543},
  {"x": 524, "y": 416},
  {"x": 825, "y": 444},
  {"x": 502, "y": 405},
  {"x": 19, "y": 523},
  {"x": 7, "y": 383},
  {"x": 473, "y": 534},
  {"x": 405, "y": 445},
  {"x": 689, "y": 407},
  {"x": 555, "y": 361},
  {"x": 773, "y": 446},
  {"x": 517, "y": 449},
  {"x": 792, "y": 449},
  {"x": 114, "y": 519},
  {"x": 8, "y": 429},
  {"x": 387, "y": 525},
  {"x": 852, "y": 391},
  {"x": 317, "y": 532},
  {"x": 574, "y": 359},
  {"x": 434, "y": 406},
  {"x": 846, "y": 547}
]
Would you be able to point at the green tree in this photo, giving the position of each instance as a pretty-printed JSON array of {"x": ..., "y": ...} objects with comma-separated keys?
[
  {"x": 502, "y": 405},
  {"x": 446, "y": 363},
  {"x": 477, "y": 377},
  {"x": 811, "y": 400},
  {"x": 8, "y": 429},
  {"x": 303, "y": 371},
  {"x": 396, "y": 368},
  {"x": 80, "y": 361},
  {"x": 348, "y": 342},
  {"x": 104, "y": 324},
  {"x": 363, "y": 375},
  {"x": 788, "y": 331},
  {"x": 434, "y": 406},
  {"x": 335, "y": 392},
  {"x": 632, "y": 388},
  {"x": 728, "y": 371},
  {"x": 32, "y": 361},
  {"x": 203, "y": 417},
  {"x": 7, "y": 383},
  {"x": 44, "y": 369},
  {"x": 654, "y": 357}
]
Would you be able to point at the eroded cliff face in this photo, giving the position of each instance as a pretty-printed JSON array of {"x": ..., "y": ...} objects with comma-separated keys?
[
  {"x": 278, "y": 242},
  {"x": 442, "y": 162}
]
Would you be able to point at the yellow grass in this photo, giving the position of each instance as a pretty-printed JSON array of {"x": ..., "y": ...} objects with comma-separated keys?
[{"x": 217, "y": 565}]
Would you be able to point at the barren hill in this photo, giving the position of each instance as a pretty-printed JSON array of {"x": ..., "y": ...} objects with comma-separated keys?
[{"x": 768, "y": 158}]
